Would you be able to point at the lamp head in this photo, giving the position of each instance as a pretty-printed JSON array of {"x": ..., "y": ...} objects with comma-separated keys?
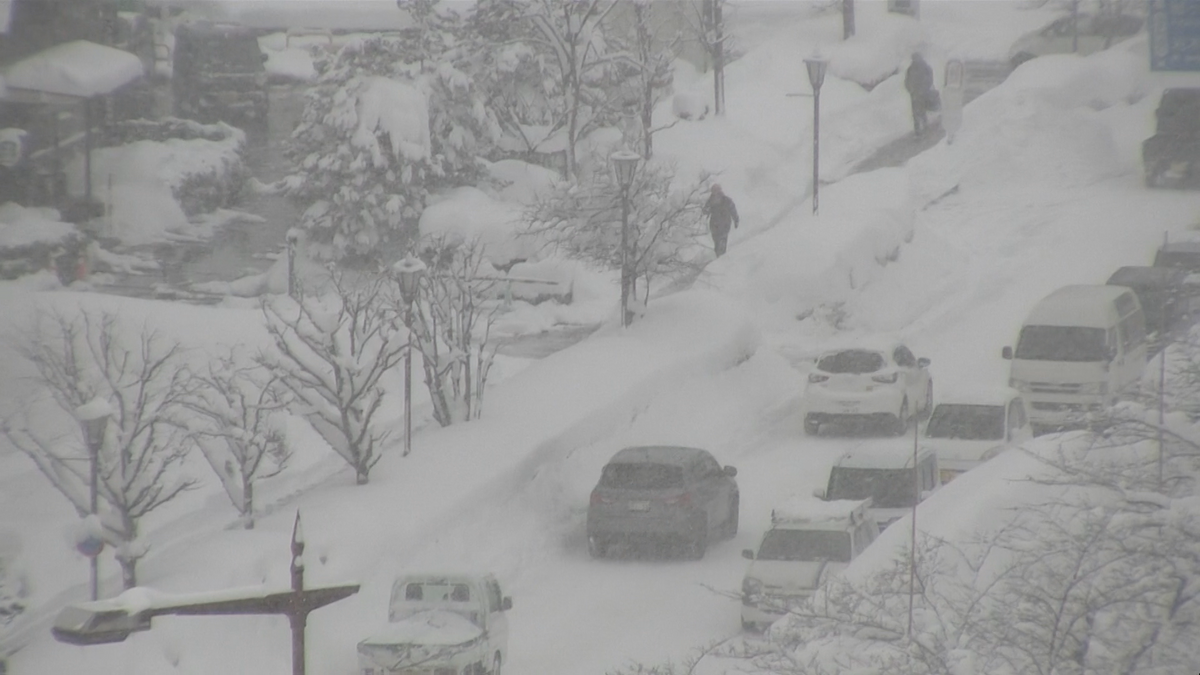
[{"x": 625, "y": 163}]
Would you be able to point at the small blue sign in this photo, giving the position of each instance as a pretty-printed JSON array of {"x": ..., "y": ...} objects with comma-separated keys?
[{"x": 1174, "y": 35}]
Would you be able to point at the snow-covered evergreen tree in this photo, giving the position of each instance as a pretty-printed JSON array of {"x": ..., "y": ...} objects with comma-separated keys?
[
  {"x": 390, "y": 119},
  {"x": 235, "y": 421}
]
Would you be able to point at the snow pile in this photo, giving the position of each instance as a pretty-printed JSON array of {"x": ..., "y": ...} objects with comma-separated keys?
[
  {"x": 142, "y": 181},
  {"x": 521, "y": 182},
  {"x": 397, "y": 109},
  {"x": 469, "y": 214},
  {"x": 22, "y": 227}
]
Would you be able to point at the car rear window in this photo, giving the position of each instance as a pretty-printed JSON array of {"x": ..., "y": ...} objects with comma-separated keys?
[
  {"x": 852, "y": 361},
  {"x": 967, "y": 422},
  {"x": 829, "y": 545},
  {"x": 642, "y": 476}
]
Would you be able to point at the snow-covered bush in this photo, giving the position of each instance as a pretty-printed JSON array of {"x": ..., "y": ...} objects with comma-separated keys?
[{"x": 390, "y": 119}]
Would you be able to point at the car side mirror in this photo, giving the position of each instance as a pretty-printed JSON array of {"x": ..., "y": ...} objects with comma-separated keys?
[
  {"x": 923, "y": 362},
  {"x": 1006, "y": 353},
  {"x": 748, "y": 553},
  {"x": 730, "y": 471},
  {"x": 506, "y": 603},
  {"x": 819, "y": 493}
]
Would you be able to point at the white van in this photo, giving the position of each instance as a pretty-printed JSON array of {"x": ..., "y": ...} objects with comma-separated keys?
[{"x": 1078, "y": 349}]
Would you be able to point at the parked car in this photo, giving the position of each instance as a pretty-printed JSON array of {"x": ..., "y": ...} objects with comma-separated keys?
[
  {"x": 440, "y": 623},
  {"x": 1171, "y": 157},
  {"x": 1078, "y": 349},
  {"x": 887, "y": 475},
  {"x": 660, "y": 494},
  {"x": 219, "y": 74},
  {"x": 1165, "y": 293},
  {"x": 969, "y": 427},
  {"x": 1184, "y": 255},
  {"x": 876, "y": 382},
  {"x": 809, "y": 541},
  {"x": 1084, "y": 34}
]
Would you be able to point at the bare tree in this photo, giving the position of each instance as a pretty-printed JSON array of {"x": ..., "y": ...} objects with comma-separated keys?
[
  {"x": 651, "y": 44},
  {"x": 706, "y": 20},
  {"x": 452, "y": 323},
  {"x": 79, "y": 358},
  {"x": 331, "y": 352},
  {"x": 236, "y": 425},
  {"x": 585, "y": 221}
]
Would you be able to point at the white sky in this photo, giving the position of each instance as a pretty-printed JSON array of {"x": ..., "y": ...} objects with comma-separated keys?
[{"x": 1048, "y": 192}]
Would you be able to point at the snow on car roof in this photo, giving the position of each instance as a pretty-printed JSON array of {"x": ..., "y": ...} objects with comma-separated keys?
[
  {"x": 1077, "y": 305},
  {"x": 432, "y": 627},
  {"x": 804, "y": 509},
  {"x": 967, "y": 394},
  {"x": 671, "y": 454},
  {"x": 867, "y": 343},
  {"x": 896, "y": 454}
]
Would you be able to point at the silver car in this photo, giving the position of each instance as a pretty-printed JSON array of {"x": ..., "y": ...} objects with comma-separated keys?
[{"x": 662, "y": 494}]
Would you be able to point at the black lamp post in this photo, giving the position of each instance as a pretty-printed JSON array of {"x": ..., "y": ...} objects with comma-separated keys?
[
  {"x": 816, "y": 77},
  {"x": 293, "y": 238},
  {"x": 625, "y": 163},
  {"x": 408, "y": 271},
  {"x": 94, "y": 416}
]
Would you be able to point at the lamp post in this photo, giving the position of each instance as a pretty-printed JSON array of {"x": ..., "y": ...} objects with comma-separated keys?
[
  {"x": 94, "y": 415},
  {"x": 625, "y": 163},
  {"x": 816, "y": 77},
  {"x": 408, "y": 271},
  {"x": 293, "y": 238}
]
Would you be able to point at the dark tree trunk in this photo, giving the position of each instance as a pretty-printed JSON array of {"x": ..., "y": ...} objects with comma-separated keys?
[{"x": 847, "y": 19}]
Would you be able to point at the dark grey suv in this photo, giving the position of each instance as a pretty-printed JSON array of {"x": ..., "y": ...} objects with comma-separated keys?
[{"x": 662, "y": 494}]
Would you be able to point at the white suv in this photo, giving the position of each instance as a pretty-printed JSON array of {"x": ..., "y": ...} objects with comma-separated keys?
[{"x": 883, "y": 382}]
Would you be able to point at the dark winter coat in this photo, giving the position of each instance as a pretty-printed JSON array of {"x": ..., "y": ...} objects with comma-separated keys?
[
  {"x": 919, "y": 78},
  {"x": 721, "y": 212}
]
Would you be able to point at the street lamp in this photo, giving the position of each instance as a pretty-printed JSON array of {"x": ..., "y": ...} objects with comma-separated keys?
[
  {"x": 408, "y": 271},
  {"x": 94, "y": 416},
  {"x": 625, "y": 163},
  {"x": 816, "y": 77},
  {"x": 293, "y": 238}
]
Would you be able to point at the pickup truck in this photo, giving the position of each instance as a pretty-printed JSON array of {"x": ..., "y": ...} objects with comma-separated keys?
[
  {"x": 1171, "y": 156},
  {"x": 440, "y": 624}
]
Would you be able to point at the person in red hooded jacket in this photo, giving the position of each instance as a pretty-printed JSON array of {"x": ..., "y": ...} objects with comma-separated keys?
[{"x": 721, "y": 214}]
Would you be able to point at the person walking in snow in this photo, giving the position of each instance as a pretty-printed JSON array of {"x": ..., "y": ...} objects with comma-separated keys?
[
  {"x": 918, "y": 80},
  {"x": 721, "y": 213}
]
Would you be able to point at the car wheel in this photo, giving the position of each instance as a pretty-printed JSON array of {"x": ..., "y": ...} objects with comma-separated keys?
[
  {"x": 596, "y": 547},
  {"x": 698, "y": 545},
  {"x": 729, "y": 531},
  {"x": 812, "y": 427},
  {"x": 901, "y": 419}
]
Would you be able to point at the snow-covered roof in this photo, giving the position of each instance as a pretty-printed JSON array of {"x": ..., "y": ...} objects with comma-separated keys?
[
  {"x": 800, "y": 509},
  {"x": 81, "y": 69}
]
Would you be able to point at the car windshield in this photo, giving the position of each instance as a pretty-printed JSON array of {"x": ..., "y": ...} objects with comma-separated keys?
[
  {"x": 968, "y": 422},
  {"x": 851, "y": 361},
  {"x": 887, "y": 488},
  {"x": 1061, "y": 343},
  {"x": 805, "y": 545},
  {"x": 1185, "y": 259},
  {"x": 437, "y": 592},
  {"x": 642, "y": 476}
]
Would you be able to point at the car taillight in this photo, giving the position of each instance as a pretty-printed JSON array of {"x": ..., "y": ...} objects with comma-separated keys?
[
  {"x": 684, "y": 499},
  {"x": 598, "y": 498},
  {"x": 885, "y": 379},
  {"x": 817, "y": 378}
]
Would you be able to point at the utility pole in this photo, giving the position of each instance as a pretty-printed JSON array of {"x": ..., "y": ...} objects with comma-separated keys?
[{"x": 847, "y": 19}]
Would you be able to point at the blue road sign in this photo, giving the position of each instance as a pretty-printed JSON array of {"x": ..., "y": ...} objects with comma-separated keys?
[{"x": 1174, "y": 35}]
